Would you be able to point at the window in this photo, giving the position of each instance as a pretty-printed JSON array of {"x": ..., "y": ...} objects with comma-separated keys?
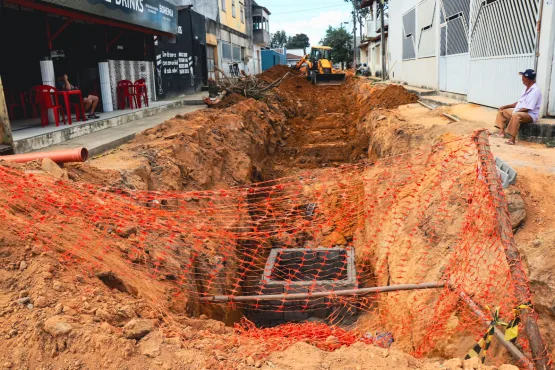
[
  {"x": 242, "y": 7},
  {"x": 409, "y": 29},
  {"x": 226, "y": 50},
  {"x": 223, "y": 5},
  {"x": 426, "y": 37},
  {"x": 210, "y": 61},
  {"x": 233, "y": 13},
  {"x": 257, "y": 22},
  {"x": 236, "y": 53}
]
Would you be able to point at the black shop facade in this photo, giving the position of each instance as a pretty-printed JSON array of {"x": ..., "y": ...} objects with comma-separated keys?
[
  {"x": 97, "y": 43},
  {"x": 181, "y": 65}
]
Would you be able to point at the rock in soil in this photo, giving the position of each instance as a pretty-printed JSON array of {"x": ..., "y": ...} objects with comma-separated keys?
[
  {"x": 137, "y": 328},
  {"x": 516, "y": 209},
  {"x": 57, "y": 326},
  {"x": 52, "y": 168},
  {"x": 150, "y": 346},
  {"x": 453, "y": 364}
]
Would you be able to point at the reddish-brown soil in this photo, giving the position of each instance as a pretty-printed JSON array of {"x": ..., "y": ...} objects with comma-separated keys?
[
  {"x": 228, "y": 101},
  {"x": 76, "y": 319}
]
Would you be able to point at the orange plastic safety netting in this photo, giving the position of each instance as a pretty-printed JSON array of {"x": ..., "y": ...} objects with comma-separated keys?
[{"x": 303, "y": 248}]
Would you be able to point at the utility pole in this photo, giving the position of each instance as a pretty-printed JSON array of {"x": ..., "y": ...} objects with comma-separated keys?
[
  {"x": 383, "y": 38},
  {"x": 354, "y": 38}
]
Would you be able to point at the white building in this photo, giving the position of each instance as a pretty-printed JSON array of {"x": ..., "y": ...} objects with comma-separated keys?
[
  {"x": 371, "y": 47},
  {"x": 473, "y": 47}
]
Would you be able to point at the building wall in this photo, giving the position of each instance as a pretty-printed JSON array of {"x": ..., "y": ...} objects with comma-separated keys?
[
  {"x": 5, "y": 127},
  {"x": 424, "y": 72},
  {"x": 227, "y": 18},
  {"x": 132, "y": 71},
  {"x": 235, "y": 41},
  {"x": 417, "y": 72},
  {"x": 255, "y": 63},
  {"x": 271, "y": 58},
  {"x": 364, "y": 55},
  {"x": 208, "y": 8},
  {"x": 546, "y": 60}
]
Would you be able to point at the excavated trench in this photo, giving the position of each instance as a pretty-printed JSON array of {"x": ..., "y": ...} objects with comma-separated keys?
[
  {"x": 299, "y": 129},
  {"x": 322, "y": 130}
]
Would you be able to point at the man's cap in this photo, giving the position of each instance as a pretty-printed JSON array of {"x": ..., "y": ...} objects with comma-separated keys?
[{"x": 529, "y": 74}]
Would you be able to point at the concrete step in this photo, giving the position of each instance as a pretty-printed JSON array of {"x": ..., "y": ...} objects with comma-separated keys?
[
  {"x": 420, "y": 91},
  {"x": 438, "y": 100},
  {"x": 542, "y": 131},
  {"x": 5, "y": 149}
]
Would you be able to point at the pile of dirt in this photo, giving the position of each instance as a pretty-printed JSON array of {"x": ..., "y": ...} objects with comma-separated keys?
[
  {"x": 228, "y": 101},
  {"x": 200, "y": 150},
  {"x": 389, "y": 96},
  {"x": 276, "y": 72}
]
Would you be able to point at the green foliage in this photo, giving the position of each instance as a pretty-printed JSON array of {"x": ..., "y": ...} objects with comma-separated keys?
[
  {"x": 341, "y": 41},
  {"x": 299, "y": 41},
  {"x": 279, "y": 39},
  {"x": 362, "y": 13}
]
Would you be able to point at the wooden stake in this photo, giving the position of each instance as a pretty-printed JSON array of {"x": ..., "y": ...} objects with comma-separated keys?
[
  {"x": 539, "y": 349},
  {"x": 498, "y": 334}
]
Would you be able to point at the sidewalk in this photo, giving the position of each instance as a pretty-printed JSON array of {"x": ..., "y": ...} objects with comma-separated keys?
[
  {"x": 30, "y": 136},
  {"x": 108, "y": 139}
]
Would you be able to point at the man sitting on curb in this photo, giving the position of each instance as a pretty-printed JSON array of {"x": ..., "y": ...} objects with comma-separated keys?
[{"x": 526, "y": 110}]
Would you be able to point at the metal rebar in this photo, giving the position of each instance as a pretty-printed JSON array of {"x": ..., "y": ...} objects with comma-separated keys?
[{"x": 336, "y": 293}]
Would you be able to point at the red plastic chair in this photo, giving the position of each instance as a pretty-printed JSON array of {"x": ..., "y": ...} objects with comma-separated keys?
[
  {"x": 12, "y": 104},
  {"x": 32, "y": 101},
  {"x": 27, "y": 102},
  {"x": 47, "y": 97},
  {"x": 79, "y": 114},
  {"x": 126, "y": 94},
  {"x": 141, "y": 91}
]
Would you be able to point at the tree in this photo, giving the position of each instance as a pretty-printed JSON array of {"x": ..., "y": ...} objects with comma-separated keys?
[
  {"x": 341, "y": 41},
  {"x": 279, "y": 40},
  {"x": 299, "y": 41}
]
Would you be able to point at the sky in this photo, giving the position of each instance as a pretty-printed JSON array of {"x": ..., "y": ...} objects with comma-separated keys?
[{"x": 311, "y": 17}]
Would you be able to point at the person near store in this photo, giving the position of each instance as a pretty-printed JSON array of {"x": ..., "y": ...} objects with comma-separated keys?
[
  {"x": 90, "y": 101},
  {"x": 526, "y": 110}
]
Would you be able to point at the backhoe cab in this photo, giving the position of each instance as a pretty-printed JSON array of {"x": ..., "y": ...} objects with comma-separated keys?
[{"x": 319, "y": 67}]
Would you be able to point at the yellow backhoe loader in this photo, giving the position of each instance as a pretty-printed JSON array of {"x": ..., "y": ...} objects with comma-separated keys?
[{"x": 319, "y": 68}]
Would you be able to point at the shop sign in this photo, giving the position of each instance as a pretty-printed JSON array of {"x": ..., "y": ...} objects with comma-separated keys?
[{"x": 154, "y": 14}]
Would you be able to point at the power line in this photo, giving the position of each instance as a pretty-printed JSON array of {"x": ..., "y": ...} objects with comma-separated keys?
[{"x": 306, "y": 10}]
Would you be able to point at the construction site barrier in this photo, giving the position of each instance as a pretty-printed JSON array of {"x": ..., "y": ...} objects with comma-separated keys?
[{"x": 297, "y": 258}]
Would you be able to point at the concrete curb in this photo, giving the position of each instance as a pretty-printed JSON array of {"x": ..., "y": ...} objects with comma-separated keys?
[
  {"x": 537, "y": 132},
  {"x": 72, "y": 132},
  {"x": 432, "y": 102},
  {"x": 420, "y": 93},
  {"x": 96, "y": 151}
]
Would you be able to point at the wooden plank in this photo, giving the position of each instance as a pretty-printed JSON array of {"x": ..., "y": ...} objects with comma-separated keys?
[{"x": 540, "y": 352}]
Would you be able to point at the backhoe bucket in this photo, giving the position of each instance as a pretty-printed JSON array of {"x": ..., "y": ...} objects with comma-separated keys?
[{"x": 329, "y": 79}]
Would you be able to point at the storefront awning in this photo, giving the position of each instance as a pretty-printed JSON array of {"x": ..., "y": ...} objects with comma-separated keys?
[{"x": 154, "y": 15}]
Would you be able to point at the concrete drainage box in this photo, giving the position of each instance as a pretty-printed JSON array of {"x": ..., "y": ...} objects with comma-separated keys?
[{"x": 303, "y": 270}]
